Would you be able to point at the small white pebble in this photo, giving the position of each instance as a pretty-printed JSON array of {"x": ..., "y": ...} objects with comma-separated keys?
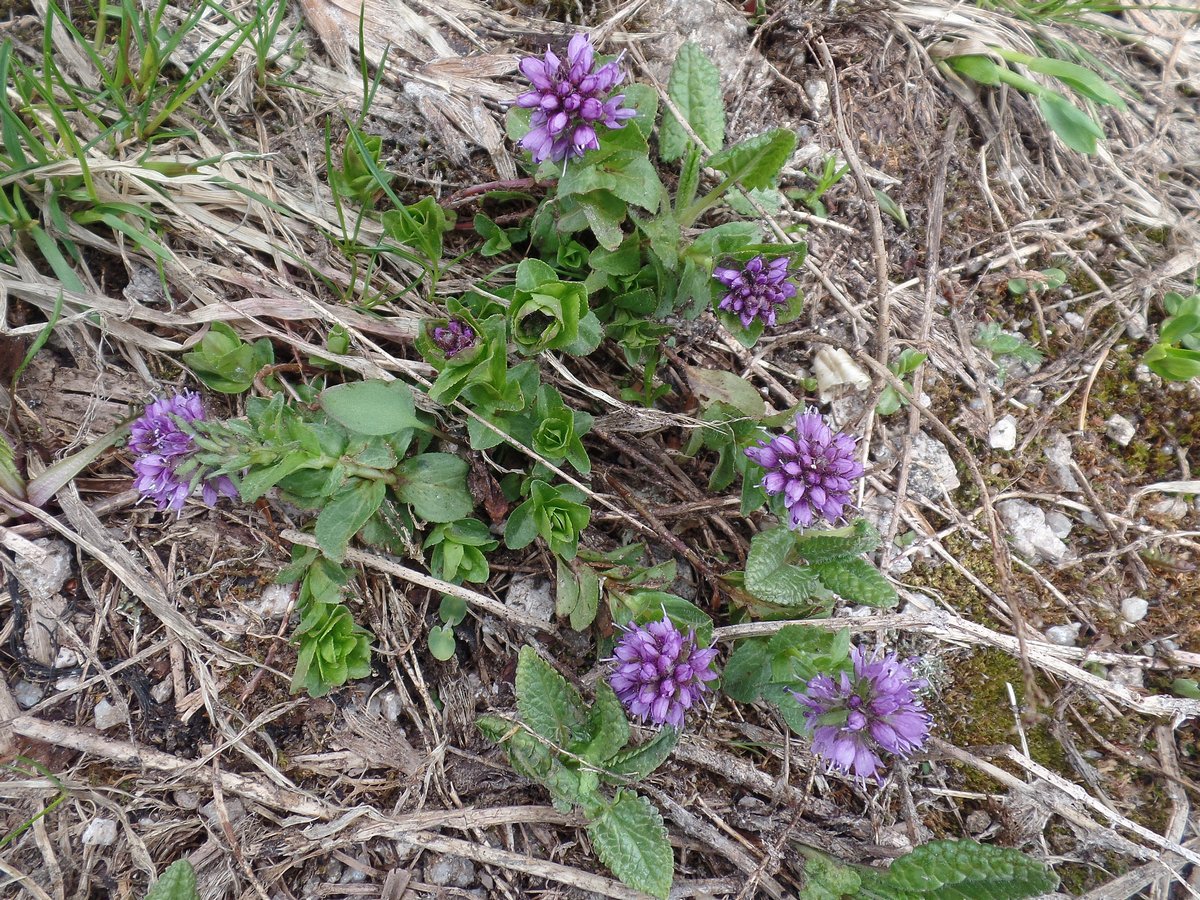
[
  {"x": 108, "y": 715},
  {"x": 100, "y": 833},
  {"x": 1003, "y": 435},
  {"x": 162, "y": 691},
  {"x": 1060, "y": 524},
  {"x": 1134, "y": 609},
  {"x": 27, "y": 694},
  {"x": 1120, "y": 429},
  {"x": 66, "y": 659},
  {"x": 1063, "y": 635},
  {"x": 1074, "y": 319}
]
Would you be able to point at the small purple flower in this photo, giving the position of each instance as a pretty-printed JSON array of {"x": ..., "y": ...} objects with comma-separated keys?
[
  {"x": 757, "y": 290},
  {"x": 454, "y": 338},
  {"x": 163, "y": 447},
  {"x": 661, "y": 672},
  {"x": 856, "y": 717},
  {"x": 568, "y": 101},
  {"x": 814, "y": 469}
]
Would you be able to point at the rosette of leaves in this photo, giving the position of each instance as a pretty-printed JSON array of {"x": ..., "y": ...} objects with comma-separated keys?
[
  {"x": 574, "y": 750},
  {"x": 559, "y": 429},
  {"x": 548, "y": 314},
  {"x": 460, "y": 550},
  {"x": 333, "y": 649},
  {"x": 1176, "y": 354},
  {"x": 805, "y": 570},
  {"x": 226, "y": 363},
  {"x": 484, "y": 366},
  {"x": 557, "y": 514},
  {"x": 939, "y": 870}
]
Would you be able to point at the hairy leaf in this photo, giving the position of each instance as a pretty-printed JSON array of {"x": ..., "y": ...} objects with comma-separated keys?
[
  {"x": 827, "y": 545},
  {"x": 858, "y": 581},
  {"x": 643, "y": 759},
  {"x": 548, "y": 704},
  {"x": 178, "y": 882},
  {"x": 630, "y": 838},
  {"x": 695, "y": 89},
  {"x": 756, "y": 161},
  {"x": 960, "y": 870}
]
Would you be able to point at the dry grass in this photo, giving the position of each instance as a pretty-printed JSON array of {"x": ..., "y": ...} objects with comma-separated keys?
[{"x": 1094, "y": 765}]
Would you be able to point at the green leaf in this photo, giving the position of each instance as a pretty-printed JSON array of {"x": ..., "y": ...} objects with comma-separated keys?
[
  {"x": 608, "y": 729},
  {"x": 820, "y": 545},
  {"x": 1176, "y": 327},
  {"x": 345, "y": 514},
  {"x": 719, "y": 385},
  {"x": 371, "y": 407},
  {"x": 1077, "y": 129},
  {"x": 1173, "y": 363},
  {"x": 825, "y": 879},
  {"x": 648, "y": 606},
  {"x": 577, "y": 597},
  {"x": 548, "y": 704},
  {"x": 770, "y": 577},
  {"x": 627, "y": 174},
  {"x": 858, "y": 581},
  {"x": 631, "y": 839},
  {"x": 755, "y": 162},
  {"x": 643, "y": 759},
  {"x": 747, "y": 670},
  {"x": 435, "y": 486},
  {"x": 178, "y": 882},
  {"x": 257, "y": 482},
  {"x": 332, "y": 649},
  {"x": 976, "y": 67},
  {"x": 695, "y": 89},
  {"x": 441, "y": 642},
  {"x": 942, "y": 870},
  {"x": 1081, "y": 80}
]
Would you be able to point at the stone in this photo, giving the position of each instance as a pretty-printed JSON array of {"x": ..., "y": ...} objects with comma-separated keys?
[
  {"x": 43, "y": 574},
  {"x": 1060, "y": 524},
  {"x": 1134, "y": 609},
  {"x": 1120, "y": 429},
  {"x": 1168, "y": 509},
  {"x": 1063, "y": 635},
  {"x": 1074, "y": 319},
  {"x": 385, "y": 704},
  {"x": 1031, "y": 537},
  {"x": 451, "y": 871},
  {"x": 837, "y": 373},
  {"x": 1129, "y": 676},
  {"x": 274, "y": 601},
  {"x": 27, "y": 694},
  {"x": 1136, "y": 325},
  {"x": 978, "y": 821},
  {"x": 188, "y": 800},
  {"x": 233, "y": 807},
  {"x": 100, "y": 833},
  {"x": 817, "y": 92},
  {"x": 533, "y": 595},
  {"x": 1003, "y": 435},
  {"x": 1058, "y": 453},
  {"x": 933, "y": 474},
  {"x": 162, "y": 691},
  {"x": 66, "y": 659},
  {"x": 108, "y": 715}
]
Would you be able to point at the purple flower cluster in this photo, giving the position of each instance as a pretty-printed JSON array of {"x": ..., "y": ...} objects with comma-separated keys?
[
  {"x": 757, "y": 290},
  {"x": 568, "y": 101},
  {"x": 454, "y": 338},
  {"x": 661, "y": 672},
  {"x": 856, "y": 717},
  {"x": 813, "y": 469},
  {"x": 163, "y": 447}
]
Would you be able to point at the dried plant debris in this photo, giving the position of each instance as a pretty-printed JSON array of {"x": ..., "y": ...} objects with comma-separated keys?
[{"x": 609, "y": 448}]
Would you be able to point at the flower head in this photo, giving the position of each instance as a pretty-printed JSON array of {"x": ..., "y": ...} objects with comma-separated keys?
[
  {"x": 856, "y": 717},
  {"x": 813, "y": 469},
  {"x": 569, "y": 98},
  {"x": 454, "y": 338},
  {"x": 163, "y": 447},
  {"x": 757, "y": 290},
  {"x": 661, "y": 672}
]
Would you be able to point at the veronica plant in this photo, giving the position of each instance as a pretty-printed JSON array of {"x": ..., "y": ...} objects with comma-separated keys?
[
  {"x": 578, "y": 752},
  {"x": 1176, "y": 354}
]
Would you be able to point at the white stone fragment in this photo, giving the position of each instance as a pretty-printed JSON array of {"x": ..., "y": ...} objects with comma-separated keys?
[
  {"x": 162, "y": 691},
  {"x": 108, "y": 715},
  {"x": 1060, "y": 524},
  {"x": 836, "y": 373},
  {"x": 27, "y": 694},
  {"x": 274, "y": 601},
  {"x": 533, "y": 595},
  {"x": 1120, "y": 429},
  {"x": 933, "y": 474},
  {"x": 1058, "y": 454},
  {"x": 66, "y": 659},
  {"x": 817, "y": 92},
  {"x": 1029, "y": 532},
  {"x": 1074, "y": 319},
  {"x": 1003, "y": 435},
  {"x": 233, "y": 807},
  {"x": 100, "y": 833},
  {"x": 1063, "y": 635},
  {"x": 1129, "y": 676},
  {"x": 1134, "y": 609},
  {"x": 43, "y": 573}
]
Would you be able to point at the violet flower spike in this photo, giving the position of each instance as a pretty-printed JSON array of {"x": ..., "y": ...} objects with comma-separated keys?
[
  {"x": 454, "y": 338},
  {"x": 857, "y": 717},
  {"x": 569, "y": 99},
  {"x": 758, "y": 290},
  {"x": 661, "y": 673},
  {"x": 162, "y": 447},
  {"x": 814, "y": 469}
]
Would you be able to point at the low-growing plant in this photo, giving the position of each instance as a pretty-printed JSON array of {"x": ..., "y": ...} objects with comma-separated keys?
[
  {"x": 1004, "y": 345},
  {"x": 1176, "y": 354},
  {"x": 580, "y": 754},
  {"x": 890, "y": 400},
  {"x": 177, "y": 882}
]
